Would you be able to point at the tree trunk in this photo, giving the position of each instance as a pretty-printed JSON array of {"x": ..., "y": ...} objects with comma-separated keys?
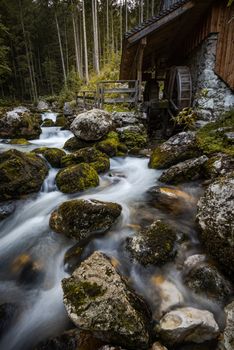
[
  {"x": 121, "y": 25},
  {"x": 126, "y": 15},
  {"x": 152, "y": 8},
  {"x": 107, "y": 26},
  {"x": 61, "y": 49},
  {"x": 85, "y": 45},
  {"x": 95, "y": 36}
]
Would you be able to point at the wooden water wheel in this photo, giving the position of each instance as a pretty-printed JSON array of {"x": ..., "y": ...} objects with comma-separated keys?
[{"x": 178, "y": 87}]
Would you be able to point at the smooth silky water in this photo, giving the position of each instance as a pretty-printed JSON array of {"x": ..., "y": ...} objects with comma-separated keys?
[{"x": 32, "y": 256}]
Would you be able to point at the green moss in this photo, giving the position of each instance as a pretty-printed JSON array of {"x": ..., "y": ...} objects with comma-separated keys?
[
  {"x": 98, "y": 160},
  {"x": 211, "y": 138},
  {"x": 74, "y": 144},
  {"x": 61, "y": 120},
  {"x": 159, "y": 159},
  {"x": 77, "y": 178},
  {"x": 81, "y": 293},
  {"x": 52, "y": 155},
  {"x": 133, "y": 139},
  {"x": 112, "y": 146},
  {"x": 47, "y": 123},
  {"x": 19, "y": 142}
]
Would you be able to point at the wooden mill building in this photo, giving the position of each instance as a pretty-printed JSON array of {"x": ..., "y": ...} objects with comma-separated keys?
[{"x": 189, "y": 48}]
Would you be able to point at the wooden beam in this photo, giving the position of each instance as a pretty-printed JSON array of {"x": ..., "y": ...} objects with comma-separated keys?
[
  {"x": 139, "y": 64},
  {"x": 161, "y": 22}
]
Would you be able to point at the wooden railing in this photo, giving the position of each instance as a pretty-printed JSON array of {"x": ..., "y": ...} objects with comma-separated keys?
[
  {"x": 110, "y": 92},
  {"x": 165, "y": 4}
]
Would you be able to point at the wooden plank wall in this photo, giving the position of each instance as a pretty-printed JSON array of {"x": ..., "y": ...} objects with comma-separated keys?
[
  {"x": 219, "y": 19},
  {"x": 225, "y": 48}
]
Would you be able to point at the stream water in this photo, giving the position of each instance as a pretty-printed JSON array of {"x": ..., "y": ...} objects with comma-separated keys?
[{"x": 32, "y": 256}]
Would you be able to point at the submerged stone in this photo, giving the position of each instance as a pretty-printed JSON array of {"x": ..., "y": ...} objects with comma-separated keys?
[
  {"x": 74, "y": 144},
  {"x": 98, "y": 300},
  {"x": 77, "y": 178},
  {"x": 6, "y": 209},
  {"x": 81, "y": 218},
  {"x": 154, "y": 245},
  {"x": 20, "y": 173}
]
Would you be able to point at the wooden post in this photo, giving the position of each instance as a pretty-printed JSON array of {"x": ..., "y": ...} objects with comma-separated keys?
[{"x": 139, "y": 65}]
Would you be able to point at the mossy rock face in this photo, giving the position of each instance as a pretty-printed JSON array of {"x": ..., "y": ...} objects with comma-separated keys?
[
  {"x": 189, "y": 170},
  {"x": 212, "y": 137},
  {"x": 81, "y": 218},
  {"x": 74, "y": 144},
  {"x": 215, "y": 217},
  {"x": 98, "y": 300},
  {"x": 178, "y": 148},
  {"x": 15, "y": 125},
  {"x": 98, "y": 160},
  {"x": 112, "y": 146},
  {"x": 219, "y": 164},
  {"x": 52, "y": 155},
  {"x": 47, "y": 123},
  {"x": 133, "y": 140},
  {"x": 20, "y": 173},
  {"x": 22, "y": 142},
  {"x": 154, "y": 245},
  {"x": 61, "y": 121},
  {"x": 77, "y": 178}
]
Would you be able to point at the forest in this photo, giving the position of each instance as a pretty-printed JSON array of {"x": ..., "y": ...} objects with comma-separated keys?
[{"x": 48, "y": 45}]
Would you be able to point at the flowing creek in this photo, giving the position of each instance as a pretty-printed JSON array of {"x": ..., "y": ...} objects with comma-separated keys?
[{"x": 32, "y": 256}]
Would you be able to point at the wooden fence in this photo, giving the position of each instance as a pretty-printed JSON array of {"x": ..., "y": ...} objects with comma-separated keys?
[{"x": 110, "y": 92}]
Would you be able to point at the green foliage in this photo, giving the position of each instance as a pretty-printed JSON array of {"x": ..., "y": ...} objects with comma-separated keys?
[
  {"x": 5, "y": 69},
  {"x": 71, "y": 88},
  {"x": 211, "y": 138},
  {"x": 230, "y": 2},
  {"x": 186, "y": 118}
]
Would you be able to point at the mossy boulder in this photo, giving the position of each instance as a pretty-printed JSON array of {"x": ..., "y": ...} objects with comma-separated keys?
[
  {"x": 112, "y": 146},
  {"x": 153, "y": 245},
  {"x": 134, "y": 140},
  {"x": 61, "y": 120},
  {"x": 19, "y": 123},
  {"x": 81, "y": 218},
  {"x": 20, "y": 173},
  {"x": 218, "y": 165},
  {"x": 22, "y": 142},
  {"x": 47, "y": 123},
  {"x": 212, "y": 137},
  {"x": 98, "y": 160},
  {"x": 178, "y": 148},
  {"x": 74, "y": 144},
  {"x": 77, "y": 178},
  {"x": 52, "y": 155},
  {"x": 215, "y": 217},
  {"x": 98, "y": 300},
  {"x": 189, "y": 170}
]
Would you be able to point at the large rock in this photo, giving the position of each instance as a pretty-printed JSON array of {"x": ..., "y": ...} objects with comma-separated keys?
[
  {"x": 122, "y": 119},
  {"x": 112, "y": 146},
  {"x": 77, "y": 178},
  {"x": 42, "y": 106},
  {"x": 188, "y": 325},
  {"x": 227, "y": 341},
  {"x": 178, "y": 148},
  {"x": 81, "y": 218},
  {"x": 153, "y": 245},
  {"x": 189, "y": 170},
  {"x": 74, "y": 144},
  {"x": 215, "y": 217},
  {"x": 67, "y": 109},
  {"x": 92, "y": 125},
  {"x": 20, "y": 173},
  {"x": 97, "y": 299},
  {"x": 206, "y": 280},
  {"x": 19, "y": 123},
  {"x": 219, "y": 164},
  {"x": 52, "y": 155},
  {"x": 134, "y": 137},
  {"x": 96, "y": 159}
]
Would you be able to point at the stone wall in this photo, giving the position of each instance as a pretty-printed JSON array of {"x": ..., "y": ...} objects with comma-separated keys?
[{"x": 211, "y": 96}]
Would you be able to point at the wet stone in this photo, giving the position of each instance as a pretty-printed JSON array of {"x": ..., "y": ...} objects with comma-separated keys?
[{"x": 6, "y": 209}]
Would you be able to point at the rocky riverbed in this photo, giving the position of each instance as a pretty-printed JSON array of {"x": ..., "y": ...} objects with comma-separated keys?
[{"x": 104, "y": 248}]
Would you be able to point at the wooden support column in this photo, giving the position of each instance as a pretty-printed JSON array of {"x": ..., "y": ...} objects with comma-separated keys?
[{"x": 139, "y": 64}]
